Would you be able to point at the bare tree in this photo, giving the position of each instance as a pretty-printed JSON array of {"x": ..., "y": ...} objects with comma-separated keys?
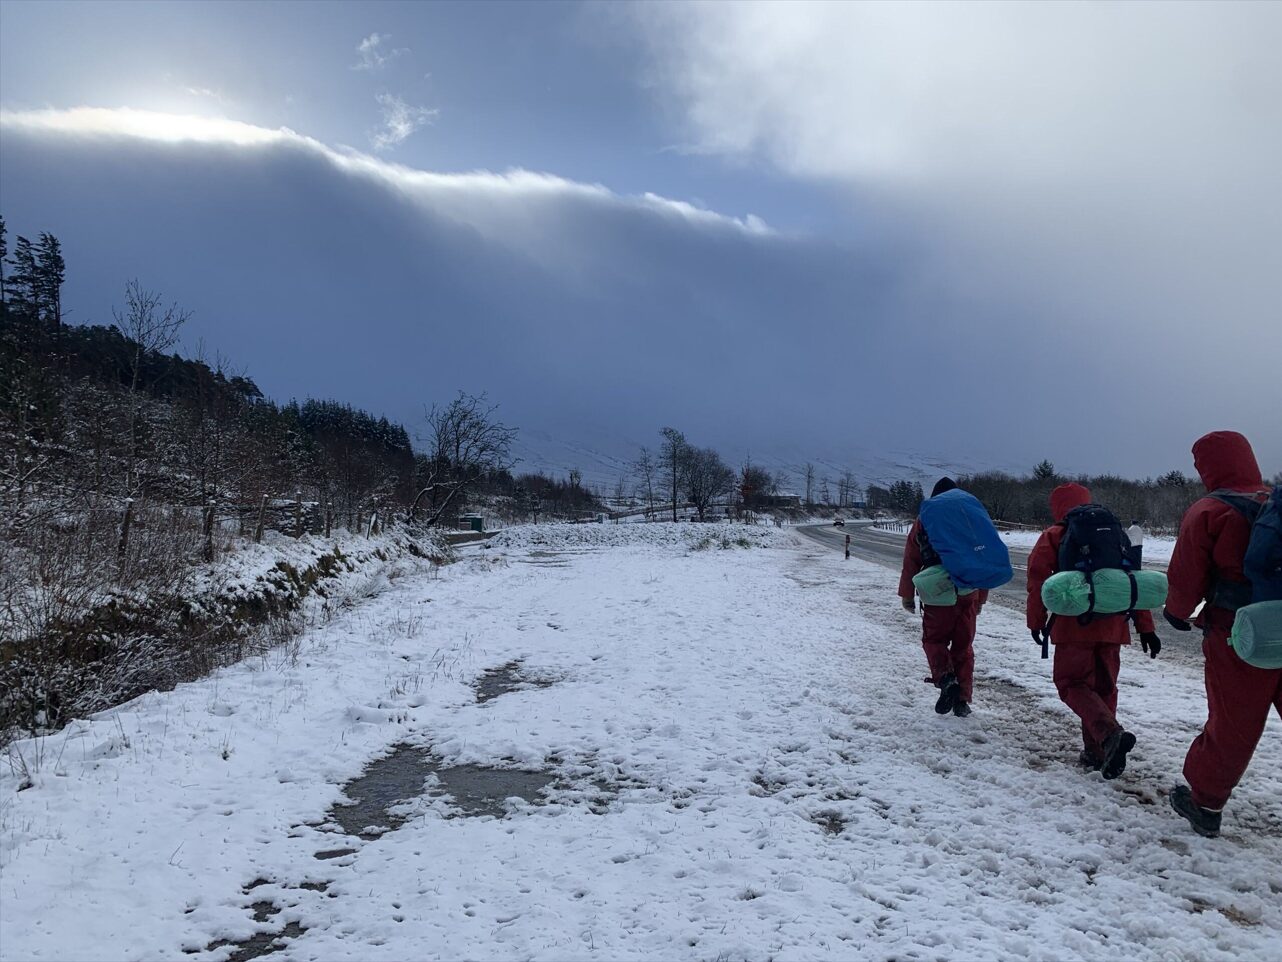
[
  {"x": 810, "y": 484},
  {"x": 847, "y": 490},
  {"x": 466, "y": 442},
  {"x": 756, "y": 486},
  {"x": 644, "y": 470},
  {"x": 707, "y": 478},
  {"x": 151, "y": 329},
  {"x": 850, "y": 488},
  {"x": 674, "y": 457}
]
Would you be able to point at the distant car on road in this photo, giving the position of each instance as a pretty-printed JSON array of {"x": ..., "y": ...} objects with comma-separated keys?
[{"x": 839, "y": 523}]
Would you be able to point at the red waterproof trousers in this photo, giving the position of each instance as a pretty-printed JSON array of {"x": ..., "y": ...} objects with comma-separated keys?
[
  {"x": 1086, "y": 679},
  {"x": 947, "y": 635},
  {"x": 1238, "y": 698}
]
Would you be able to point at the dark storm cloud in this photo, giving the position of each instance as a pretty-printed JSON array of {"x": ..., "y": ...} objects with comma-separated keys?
[{"x": 337, "y": 275}]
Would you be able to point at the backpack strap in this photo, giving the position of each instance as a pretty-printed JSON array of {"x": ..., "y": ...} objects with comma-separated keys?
[
  {"x": 1232, "y": 595},
  {"x": 1087, "y": 616},
  {"x": 1247, "y": 505},
  {"x": 929, "y": 556}
]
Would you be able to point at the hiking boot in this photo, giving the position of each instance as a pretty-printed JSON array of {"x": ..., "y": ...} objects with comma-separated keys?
[
  {"x": 1090, "y": 761},
  {"x": 949, "y": 691},
  {"x": 1116, "y": 747},
  {"x": 961, "y": 709},
  {"x": 1204, "y": 821}
]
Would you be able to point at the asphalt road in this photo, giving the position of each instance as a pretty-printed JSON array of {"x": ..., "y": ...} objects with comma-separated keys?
[{"x": 887, "y": 548}]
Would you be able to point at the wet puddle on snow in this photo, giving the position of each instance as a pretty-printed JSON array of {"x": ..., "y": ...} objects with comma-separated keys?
[
  {"x": 506, "y": 679},
  {"x": 545, "y": 559},
  {"x": 476, "y": 790},
  {"x": 411, "y": 772},
  {"x": 261, "y": 943},
  {"x": 408, "y": 773},
  {"x": 264, "y": 910},
  {"x": 264, "y": 943},
  {"x": 378, "y": 802},
  {"x": 386, "y": 782}
]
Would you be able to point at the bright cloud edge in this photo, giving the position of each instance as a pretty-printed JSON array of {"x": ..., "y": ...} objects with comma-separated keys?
[{"x": 169, "y": 128}]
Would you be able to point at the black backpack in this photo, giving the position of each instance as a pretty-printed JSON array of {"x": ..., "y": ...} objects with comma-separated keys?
[{"x": 1094, "y": 540}]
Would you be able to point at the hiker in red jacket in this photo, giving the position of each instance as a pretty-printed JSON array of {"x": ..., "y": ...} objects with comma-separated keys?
[
  {"x": 1087, "y": 657},
  {"x": 1207, "y": 566},
  {"x": 947, "y": 631}
]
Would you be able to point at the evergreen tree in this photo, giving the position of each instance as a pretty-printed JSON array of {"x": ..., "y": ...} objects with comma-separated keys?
[
  {"x": 907, "y": 496},
  {"x": 1044, "y": 471},
  {"x": 51, "y": 271},
  {"x": 24, "y": 282},
  {"x": 4, "y": 255}
]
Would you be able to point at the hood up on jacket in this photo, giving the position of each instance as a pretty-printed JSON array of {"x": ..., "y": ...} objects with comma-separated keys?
[
  {"x": 1224, "y": 459},
  {"x": 1067, "y": 497}
]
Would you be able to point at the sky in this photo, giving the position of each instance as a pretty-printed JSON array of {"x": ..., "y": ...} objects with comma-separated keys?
[{"x": 962, "y": 233}]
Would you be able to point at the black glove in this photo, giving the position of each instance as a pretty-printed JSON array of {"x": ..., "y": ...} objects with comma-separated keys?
[
  {"x": 1042, "y": 639},
  {"x": 1179, "y": 624},
  {"x": 1150, "y": 643},
  {"x": 910, "y": 604}
]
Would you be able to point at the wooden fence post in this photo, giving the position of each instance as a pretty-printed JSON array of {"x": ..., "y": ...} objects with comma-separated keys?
[
  {"x": 262, "y": 514},
  {"x": 329, "y": 517}
]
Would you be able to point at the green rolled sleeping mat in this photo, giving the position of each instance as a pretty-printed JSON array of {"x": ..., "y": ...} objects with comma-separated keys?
[
  {"x": 936, "y": 588},
  {"x": 1067, "y": 593},
  {"x": 1257, "y": 634}
]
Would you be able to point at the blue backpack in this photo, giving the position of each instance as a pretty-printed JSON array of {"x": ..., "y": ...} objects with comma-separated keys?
[{"x": 962, "y": 534}]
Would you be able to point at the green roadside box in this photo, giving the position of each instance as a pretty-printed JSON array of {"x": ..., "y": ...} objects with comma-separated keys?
[{"x": 474, "y": 521}]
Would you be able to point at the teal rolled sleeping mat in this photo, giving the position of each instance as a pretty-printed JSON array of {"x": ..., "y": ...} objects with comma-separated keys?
[
  {"x": 1069, "y": 593},
  {"x": 936, "y": 588},
  {"x": 1257, "y": 634}
]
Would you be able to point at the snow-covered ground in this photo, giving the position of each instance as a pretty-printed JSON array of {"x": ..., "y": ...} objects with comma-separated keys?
[
  {"x": 752, "y": 707},
  {"x": 1156, "y": 550}
]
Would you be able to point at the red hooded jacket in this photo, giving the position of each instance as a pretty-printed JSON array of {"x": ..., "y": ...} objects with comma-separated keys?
[
  {"x": 1043, "y": 561},
  {"x": 1213, "y": 535}
]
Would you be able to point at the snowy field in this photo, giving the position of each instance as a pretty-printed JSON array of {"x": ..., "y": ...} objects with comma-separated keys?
[
  {"x": 1156, "y": 550},
  {"x": 746, "y": 765}
]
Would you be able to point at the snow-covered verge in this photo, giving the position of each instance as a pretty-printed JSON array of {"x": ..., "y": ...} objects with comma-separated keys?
[
  {"x": 128, "y": 638},
  {"x": 781, "y": 786},
  {"x": 1157, "y": 550},
  {"x": 651, "y": 537}
]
